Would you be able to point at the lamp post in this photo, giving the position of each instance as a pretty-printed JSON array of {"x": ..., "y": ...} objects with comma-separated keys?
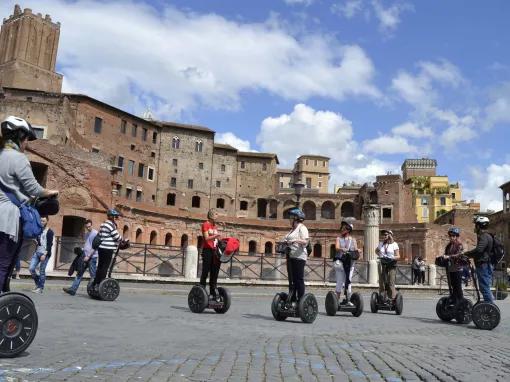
[{"x": 298, "y": 191}]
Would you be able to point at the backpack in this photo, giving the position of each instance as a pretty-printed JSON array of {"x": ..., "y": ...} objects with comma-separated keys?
[
  {"x": 309, "y": 248},
  {"x": 96, "y": 242},
  {"x": 30, "y": 218},
  {"x": 498, "y": 251}
]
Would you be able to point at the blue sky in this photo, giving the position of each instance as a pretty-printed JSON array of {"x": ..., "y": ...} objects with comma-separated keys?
[{"x": 367, "y": 82}]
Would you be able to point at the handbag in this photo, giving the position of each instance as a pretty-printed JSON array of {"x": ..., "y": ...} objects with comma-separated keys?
[
  {"x": 354, "y": 255},
  {"x": 282, "y": 248}
]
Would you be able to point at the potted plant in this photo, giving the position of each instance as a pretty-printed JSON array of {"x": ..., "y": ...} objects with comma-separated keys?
[{"x": 501, "y": 290}]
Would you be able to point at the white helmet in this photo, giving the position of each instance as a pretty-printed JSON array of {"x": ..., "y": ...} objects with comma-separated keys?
[
  {"x": 348, "y": 223},
  {"x": 481, "y": 221},
  {"x": 12, "y": 124}
]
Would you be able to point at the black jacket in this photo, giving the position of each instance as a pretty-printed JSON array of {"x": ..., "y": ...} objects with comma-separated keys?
[{"x": 481, "y": 253}]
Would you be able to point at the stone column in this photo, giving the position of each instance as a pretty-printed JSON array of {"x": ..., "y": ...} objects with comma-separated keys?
[
  {"x": 190, "y": 262},
  {"x": 432, "y": 275},
  {"x": 371, "y": 216}
]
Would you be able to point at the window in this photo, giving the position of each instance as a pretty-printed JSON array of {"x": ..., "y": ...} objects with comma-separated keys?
[
  {"x": 315, "y": 162},
  {"x": 243, "y": 206},
  {"x": 424, "y": 202},
  {"x": 281, "y": 184},
  {"x": 195, "y": 202},
  {"x": 320, "y": 185},
  {"x": 173, "y": 182},
  {"x": 174, "y": 162},
  {"x": 308, "y": 182},
  {"x": 319, "y": 176},
  {"x": 324, "y": 163},
  {"x": 218, "y": 184},
  {"x": 98, "y": 125},
  {"x": 198, "y": 146},
  {"x": 425, "y": 212},
  {"x": 442, "y": 200},
  {"x": 141, "y": 168},
  {"x": 201, "y": 166},
  {"x": 386, "y": 213},
  {"x": 134, "y": 129},
  {"x": 153, "y": 154},
  {"x": 123, "y": 127},
  {"x": 306, "y": 162},
  {"x": 95, "y": 150},
  {"x": 220, "y": 203},
  {"x": 264, "y": 166},
  {"x": 40, "y": 131},
  {"x": 144, "y": 134},
  {"x": 190, "y": 183},
  {"x": 243, "y": 164},
  {"x": 176, "y": 143},
  {"x": 386, "y": 192},
  {"x": 153, "y": 198},
  {"x": 133, "y": 147},
  {"x": 150, "y": 173},
  {"x": 170, "y": 200},
  {"x": 119, "y": 188},
  {"x": 154, "y": 137},
  {"x": 129, "y": 192},
  {"x": 222, "y": 168},
  {"x": 138, "y": 196},
  {"x": 453, "y": 196},
  {"x": 120, "y": 162},
  {"x": 131, "y": 167}
]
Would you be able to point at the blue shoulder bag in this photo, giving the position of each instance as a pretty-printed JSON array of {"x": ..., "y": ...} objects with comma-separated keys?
[{"x": 30, "y": 218}]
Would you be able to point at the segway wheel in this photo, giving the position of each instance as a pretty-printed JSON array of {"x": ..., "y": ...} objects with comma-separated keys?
[
  {"x": 486, "y": 315},
  {"x": 276, "y": 306},
  {"x": 373, "y": 302},
  {"x": 18, "y": 321},
  {"x": 463, "y": 312},
  {"x": 197, "y": 299},
  {"x": 442, "y": 312},
  {"x": 357, "y": 300},
  {"x": 331, "y": 303},
  {"x": 225, "y": 297},
  {"x": 399, "y": 304},
  {"x": 109, "y": 289},
  {"x": 91, "y": 292},
  {"x": 308, "y": 308}
]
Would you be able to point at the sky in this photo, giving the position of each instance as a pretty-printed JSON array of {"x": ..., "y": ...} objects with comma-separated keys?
[{"x": 368, "y": 83}]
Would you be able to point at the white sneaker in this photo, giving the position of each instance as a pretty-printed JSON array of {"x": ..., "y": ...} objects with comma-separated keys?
[
  {"x": 37, "y": 290},
  {"x": 350, "y": 303}
]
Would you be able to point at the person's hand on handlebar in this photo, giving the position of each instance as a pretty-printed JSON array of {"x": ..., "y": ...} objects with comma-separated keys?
[{"x": 50, "y": 193}]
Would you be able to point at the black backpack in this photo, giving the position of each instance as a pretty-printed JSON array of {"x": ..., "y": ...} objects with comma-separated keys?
[{"x": 498, "y": 251}]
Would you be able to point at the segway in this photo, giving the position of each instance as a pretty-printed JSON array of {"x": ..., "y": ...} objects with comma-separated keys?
[
  {"x": 447, "y": 308},
  {"x": 283, "y": 305},
  {"x": 380, "y": 301},
  {"x": 199, "y": 299},
  {"x": 109, "y": 288},
  {"x": 332, "y": 303}
]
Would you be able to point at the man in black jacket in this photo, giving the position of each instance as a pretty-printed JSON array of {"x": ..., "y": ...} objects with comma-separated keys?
[{"x": 481, "y": 255}]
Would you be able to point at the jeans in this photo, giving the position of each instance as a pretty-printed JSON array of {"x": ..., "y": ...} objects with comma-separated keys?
[
  {"x": 17, "y": 266},
  {"x": 210, "y": 264},
  {"x": 79, "y": 276},
  {"x": 484, "y": 276},
  {"x": 40, "y": 278}
]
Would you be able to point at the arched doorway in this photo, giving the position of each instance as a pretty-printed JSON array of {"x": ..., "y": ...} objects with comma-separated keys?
[
  {"x": 184, "y": 241},
  {"x": 328, "y": 210},
  {"x": 252, "y": 247},
  {"x": 332, "y": 251},
  {"x": 347, "y": 209},
  {"x": 273, "y": 209},
  {"x": 268, "y": 248},
  {"x": 125, "y": 232},
  {"x": 309, "y": 210},
  {"x": 168, "y": 239},
  {"x": 317, "y": 250},
  {"x": 139, "y": 234},
  {"x": 154, "y": 238}
]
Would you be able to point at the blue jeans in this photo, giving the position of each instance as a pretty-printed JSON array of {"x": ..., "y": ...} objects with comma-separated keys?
[
  {"x": 17, "y": 266},
  {"x": 484, "y": 275},
  {"x": 40, "y": 278},
  {"x": 79, "y": 276}
]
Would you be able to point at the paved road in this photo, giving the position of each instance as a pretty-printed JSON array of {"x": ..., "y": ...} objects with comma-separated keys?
[{"x": 149, "y": 334}]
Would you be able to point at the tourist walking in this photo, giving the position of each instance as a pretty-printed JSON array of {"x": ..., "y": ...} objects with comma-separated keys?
[{"x": 41, "y": 256}]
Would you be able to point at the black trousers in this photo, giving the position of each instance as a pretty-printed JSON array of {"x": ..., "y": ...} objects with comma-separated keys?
[
  {"x": 296, "y": 268},
  {"x": 9, "y": 251},
  {"x": 421, "y": 279},
  {"x": 210, "y": 265},
  {"x": 456, "y": 283},
  {"x": 104, "y": 258}
]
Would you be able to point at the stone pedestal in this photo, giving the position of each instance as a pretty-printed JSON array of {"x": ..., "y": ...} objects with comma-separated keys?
[
  {"x": 190, "y": 262},
  {"x": 432, "y": 275},
  {"x": 371, "y": 217}
]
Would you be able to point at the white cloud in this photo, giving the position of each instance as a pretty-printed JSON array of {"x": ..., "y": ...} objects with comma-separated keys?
[
  {"x": 306, "y": 3},
  {"x": 232, "y": 140},
  {"x": 387, "y": 144},
  {"x": 486, "y": 185},
  {"x": 498, "y": 110},
  {"x": 456, "y": 134},
  {"x": 444, "y": 72},
  {"x": 412, "y": 130},
  {"x": 127, "y": 51},
  {"x": 348, "y": 9},
  {"x": 309, "y": 131},
  {"x": 389, "y": 17}
]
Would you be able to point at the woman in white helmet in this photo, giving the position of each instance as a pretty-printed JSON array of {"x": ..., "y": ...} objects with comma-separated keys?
[
  {"x": 344, "y": 263},
  {"x": 16, "y": 179},
  {"x": 388, "y": 253}
]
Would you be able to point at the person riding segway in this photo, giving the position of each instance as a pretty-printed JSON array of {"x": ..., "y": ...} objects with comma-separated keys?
[
  {"x": 215, "y": 251},
  {"x": 345, "y": 257},
  {"x": 454, "y": 306},
  {"x": 295, "y": 245},
  {"x": 22, "y": 201},
  {"x": 388, "y": 298}
]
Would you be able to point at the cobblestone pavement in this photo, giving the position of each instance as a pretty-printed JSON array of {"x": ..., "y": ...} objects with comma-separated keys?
[{"x": 149, "y": 334}]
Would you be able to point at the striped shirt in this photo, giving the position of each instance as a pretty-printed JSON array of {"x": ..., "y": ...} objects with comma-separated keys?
[{"x": 109, "y": 235}]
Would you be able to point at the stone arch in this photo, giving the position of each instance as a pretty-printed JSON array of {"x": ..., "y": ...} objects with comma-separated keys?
[
  {"x": 252, "y": 247},
  {"x": 184, "y": 241},
  {"x": 153, "y": 238},
  {"x": 139, "y": 236},
  {"x": 310, "y": 210},
  {"x": 328, "y": 210},
  {"x": 125, "y": 232},
  {"x": 317, "y": 250},
  {"x": 268, "y": 248},
  {"x": 168, "y": 239},
  {"x": 347, "y": 209},
  {"x": 273, "y": 209},
  {"x": 76, "y": 196}
]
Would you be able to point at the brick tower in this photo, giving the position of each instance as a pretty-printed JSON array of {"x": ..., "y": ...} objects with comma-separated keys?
[{"x": 28, "y": 52}]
